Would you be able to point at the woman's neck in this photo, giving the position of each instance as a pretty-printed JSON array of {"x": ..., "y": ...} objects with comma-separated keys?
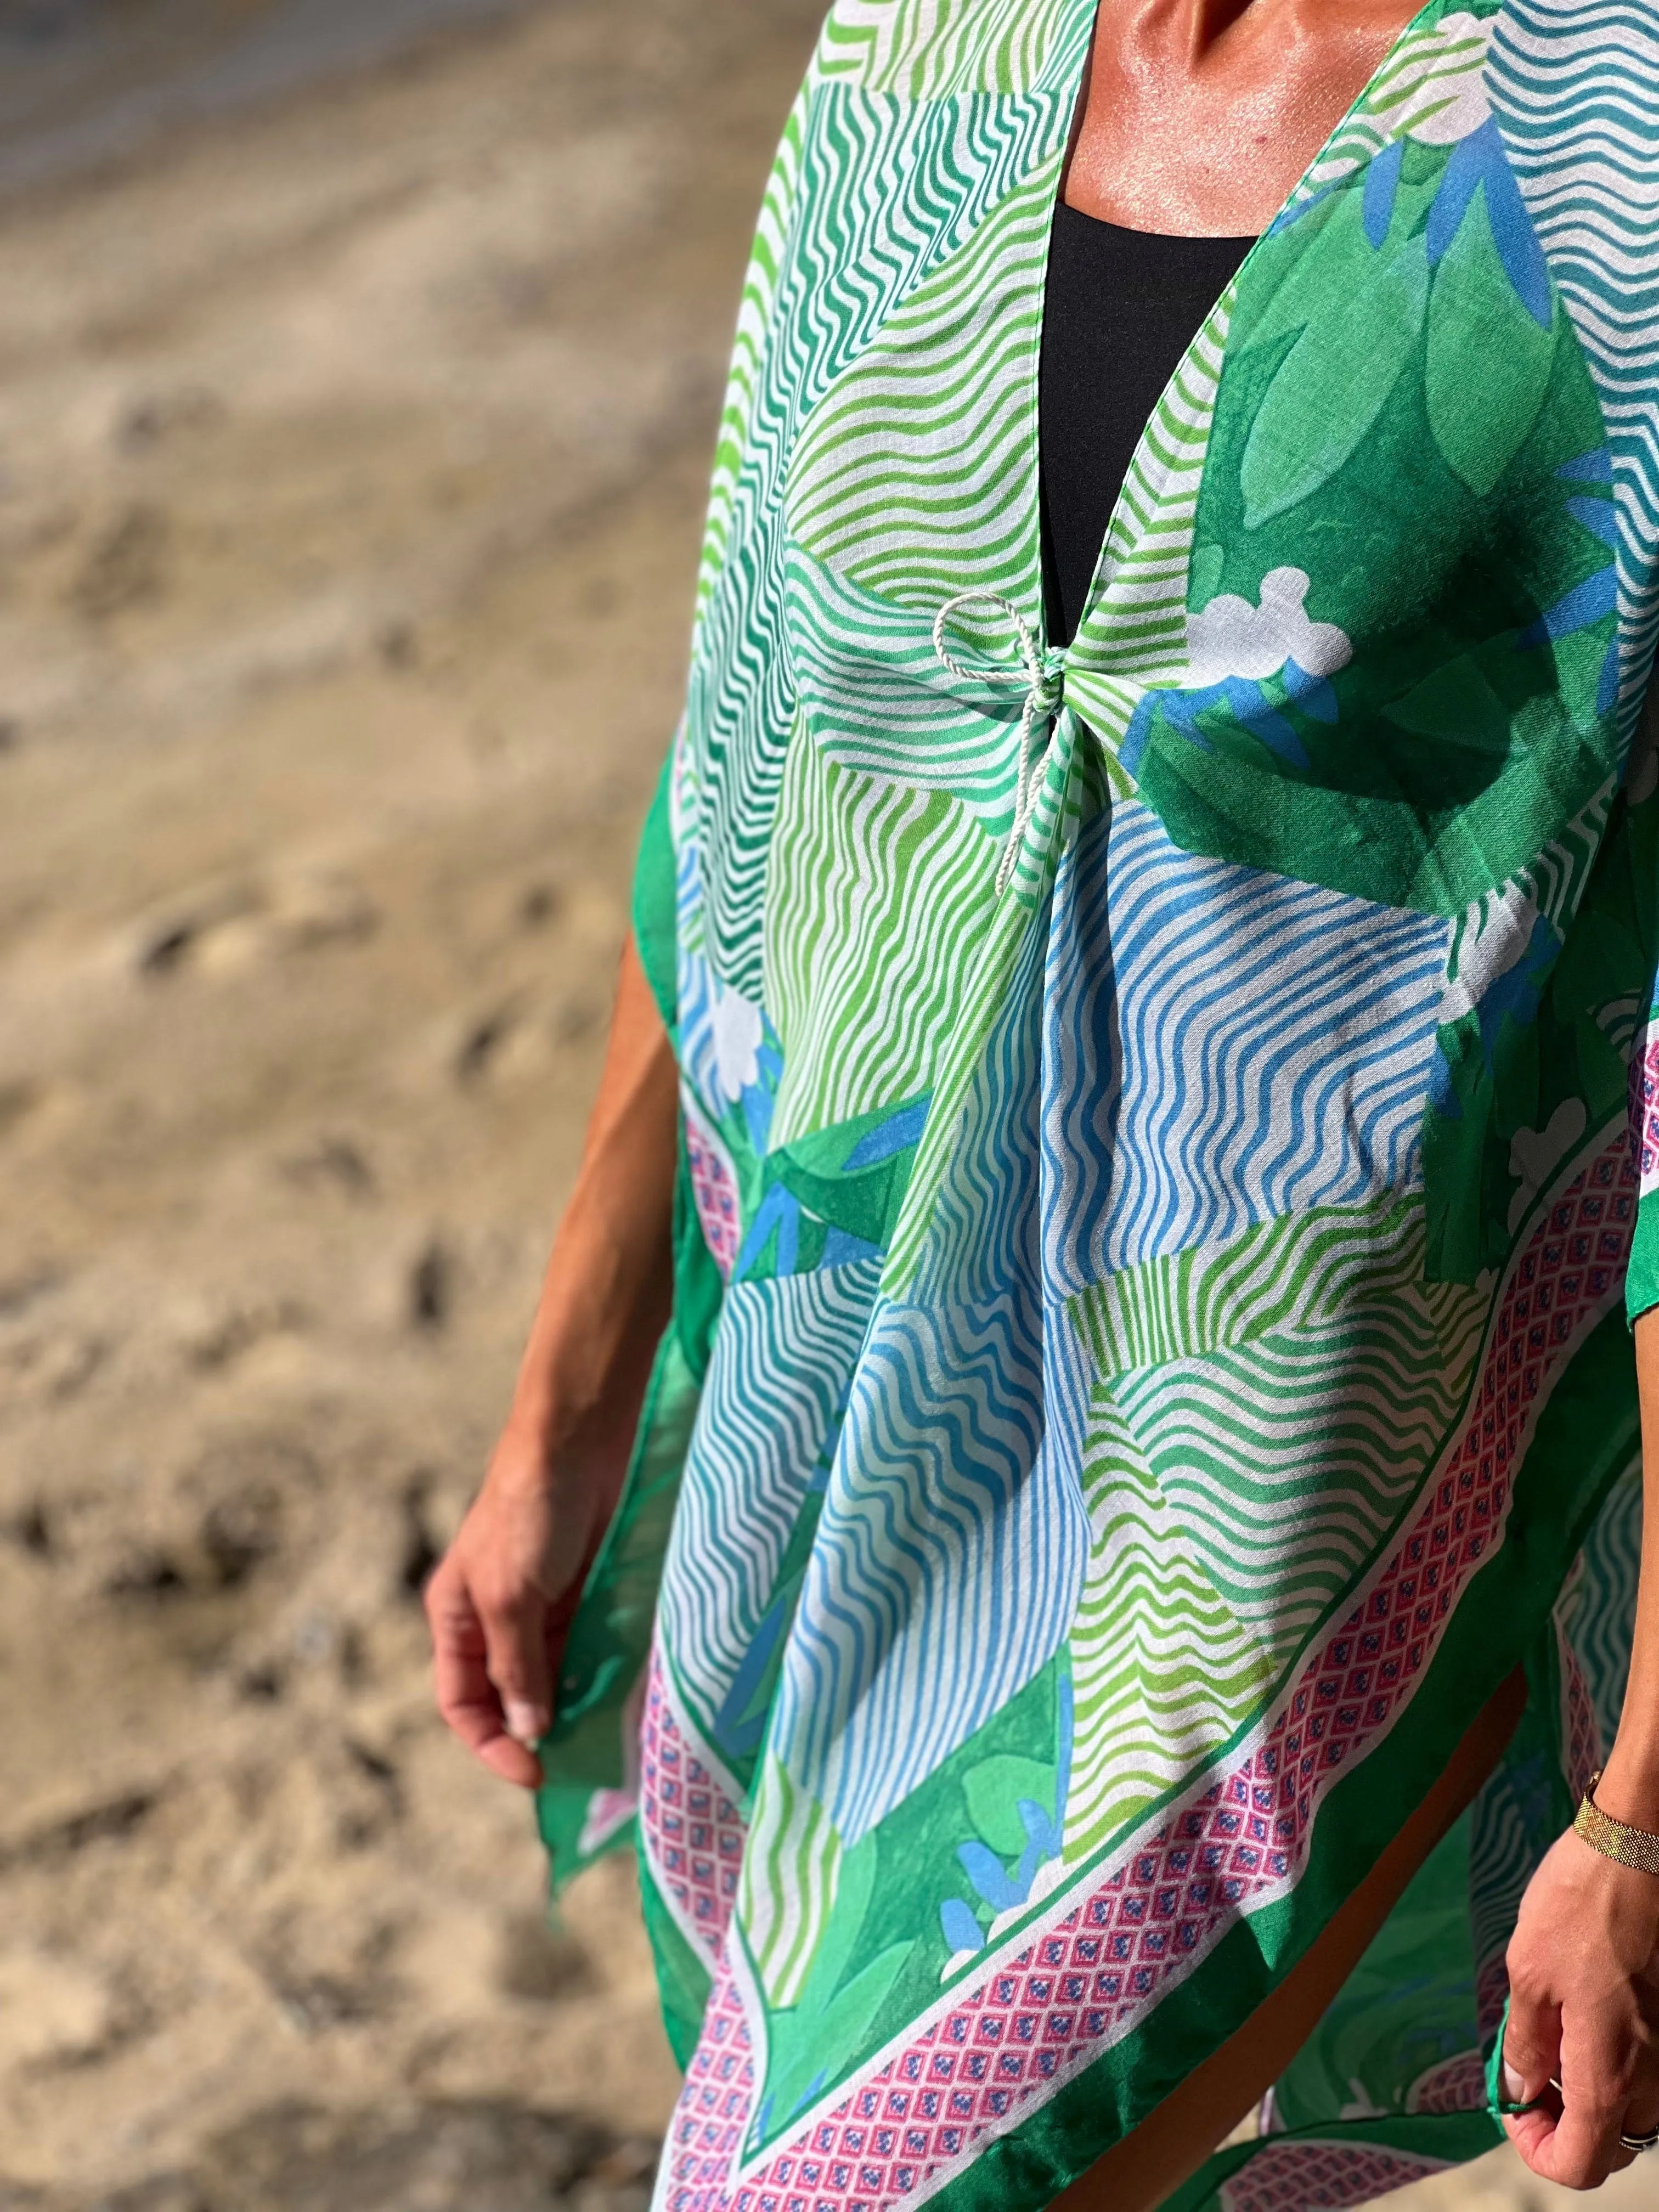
[{"x": 1201, "y": 115}]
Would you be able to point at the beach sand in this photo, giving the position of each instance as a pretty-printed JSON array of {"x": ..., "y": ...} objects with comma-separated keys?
[
  {"x": 352, "y": 462},
  {"x": 352, "y": 455}
]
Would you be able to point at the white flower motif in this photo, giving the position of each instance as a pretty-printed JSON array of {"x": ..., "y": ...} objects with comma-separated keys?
[
  {"x": 1535, "y": 1154},
  {"x": 606, "y": 1811},
  {"x": 1359, "y": 2105},
  {"x": 1048, "y": 1879},
  {"x": 737, "y": 1026},
  {"x": 1442, "y": 83},
  {"x": 1497, "y": 931},
  {"x": 1229, "y": 637}
]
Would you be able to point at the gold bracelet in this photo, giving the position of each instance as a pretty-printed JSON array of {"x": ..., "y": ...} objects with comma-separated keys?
[{"x": 1615, "y": 1839}]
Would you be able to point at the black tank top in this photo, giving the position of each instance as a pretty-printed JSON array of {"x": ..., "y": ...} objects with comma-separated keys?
[{"x": 1120, "y": 309}]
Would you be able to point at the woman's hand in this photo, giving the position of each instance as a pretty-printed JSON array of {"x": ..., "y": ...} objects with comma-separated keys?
[
  {"x": 1584, "y": 1959},
  {"x": 501, "y": 1602},
  {"x": 1583, "y": 1968}
]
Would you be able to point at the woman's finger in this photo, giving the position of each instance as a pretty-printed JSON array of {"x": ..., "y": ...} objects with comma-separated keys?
[
  {"x": 1641, "y": 2110},
  {"x": 1530, "y": 2133},
  {"x": 1532, "y": 2058},
  {"x": 466, "y": 1697},
  {"x": 1584, "y": 2149},
  {"x": 1596, "y": 2093},
  {"x": 516, "y": 1658},
  {"x": 1532, "y": 2040}
]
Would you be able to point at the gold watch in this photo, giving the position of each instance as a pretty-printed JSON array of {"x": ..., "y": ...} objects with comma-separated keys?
[{"x": 1615, "y": 1839}]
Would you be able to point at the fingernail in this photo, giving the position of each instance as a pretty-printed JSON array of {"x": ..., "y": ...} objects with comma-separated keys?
[
  {"x": 1515, "y": 2089},
  {"x": 525, "y": 1722}
]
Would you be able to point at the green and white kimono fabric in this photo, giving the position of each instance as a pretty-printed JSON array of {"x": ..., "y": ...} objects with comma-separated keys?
[{"x": 1163, "y": 1134}]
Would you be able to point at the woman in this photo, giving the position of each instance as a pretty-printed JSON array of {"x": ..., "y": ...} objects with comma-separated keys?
[{"x": 1125, "y": 1057}]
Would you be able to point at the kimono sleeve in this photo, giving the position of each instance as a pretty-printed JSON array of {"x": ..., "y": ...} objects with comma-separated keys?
[
  {"x": 653, "y": 901},
  {"x": 1642, "y": 1278},
  {"x": 1642, "y": 796}
]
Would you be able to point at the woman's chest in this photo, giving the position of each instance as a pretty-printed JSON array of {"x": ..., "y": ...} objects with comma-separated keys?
[{"x": 1355, "y": 618}]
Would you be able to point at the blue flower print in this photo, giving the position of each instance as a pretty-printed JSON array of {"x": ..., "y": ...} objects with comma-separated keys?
[{"x": 1005, "y": 1892}]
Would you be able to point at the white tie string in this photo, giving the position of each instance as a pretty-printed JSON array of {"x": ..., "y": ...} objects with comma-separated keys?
[{"x": 1041, "y": 682}]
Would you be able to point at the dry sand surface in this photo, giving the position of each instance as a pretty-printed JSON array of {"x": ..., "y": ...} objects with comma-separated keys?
[
  {"x": 351, "y": 461},
  {"x": 351, "y": 467}
]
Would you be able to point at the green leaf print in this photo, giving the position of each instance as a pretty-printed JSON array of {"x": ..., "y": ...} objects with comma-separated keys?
[
  {"x": 1292, "y": 271},
  {"x": 822, "y": 2029},
  {"x": 1488, "y": 363},
  {"x": 831, "y": 2017},
  {"x": 1462, "y": 702},
  {"x": 854, "y": 1887},
  {"x": 1204, "y": 575},
  {"x": 993, "y": 1790},
  {"x": 1333, "y": 385}
]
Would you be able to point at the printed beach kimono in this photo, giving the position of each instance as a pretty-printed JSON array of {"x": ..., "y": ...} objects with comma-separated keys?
[{"x": 1165, "y": 1125}]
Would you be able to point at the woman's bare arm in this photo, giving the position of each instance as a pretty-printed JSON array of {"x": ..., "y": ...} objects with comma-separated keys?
[
  {"x": 501, "y": 1601},
  {"x": 1584, "y": 1960}
]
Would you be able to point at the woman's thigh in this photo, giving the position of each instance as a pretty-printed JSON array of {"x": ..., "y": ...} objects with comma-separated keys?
[{"x": 1173, "y": 2142}]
